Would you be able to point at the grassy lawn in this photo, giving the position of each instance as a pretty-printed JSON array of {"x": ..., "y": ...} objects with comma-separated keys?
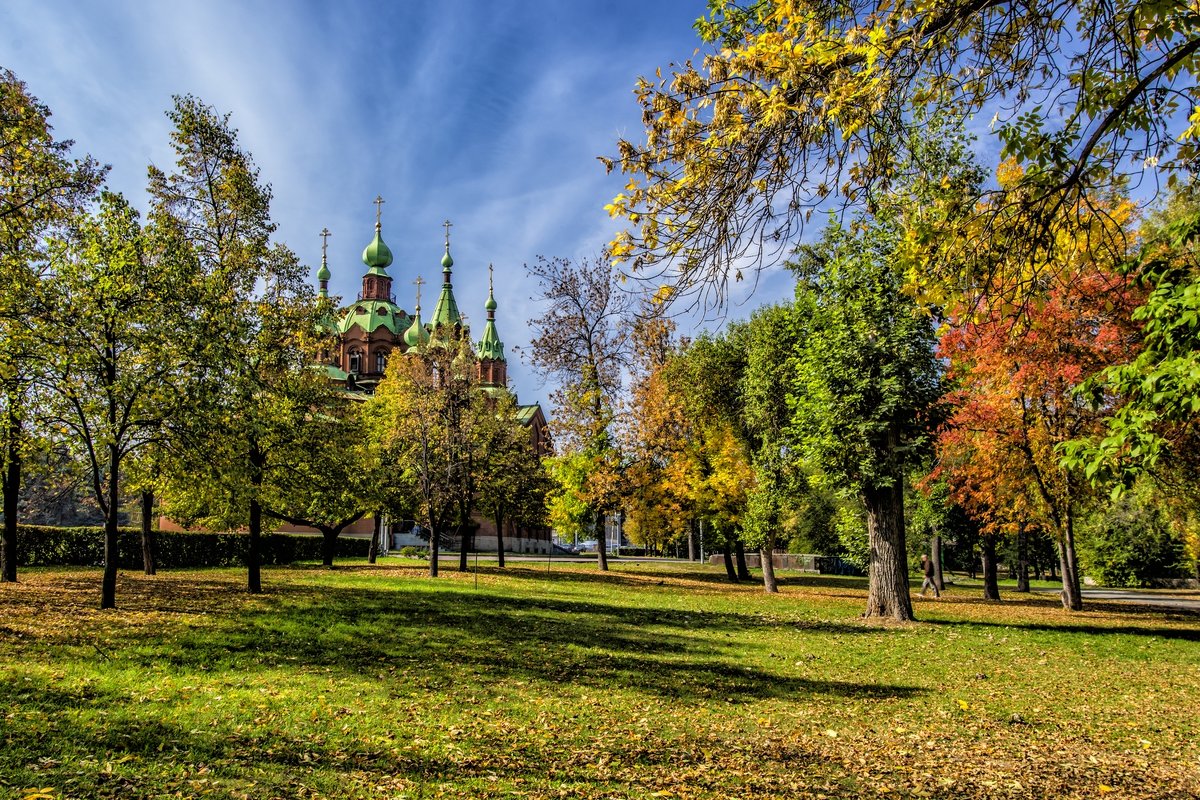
[{"x": 651, "y": 681}]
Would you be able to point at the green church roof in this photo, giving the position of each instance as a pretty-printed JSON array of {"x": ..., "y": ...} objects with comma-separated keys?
[
  {"x": 416, "y": 335},
  {"x": 445, "y": 314},
  {"x": 335, "y": 374},
  {"x": 373, "y": 314},
  {"x": 526, "y": 414},
  {"x": 377, "y": 255},
  {"x": 490, "y": 346}
]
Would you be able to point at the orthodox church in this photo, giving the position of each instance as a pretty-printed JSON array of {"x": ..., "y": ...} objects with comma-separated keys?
[{"x": 373, "y": 328}]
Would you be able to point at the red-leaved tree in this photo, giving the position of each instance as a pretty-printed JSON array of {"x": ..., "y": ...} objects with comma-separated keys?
[{"x": 1016, "y": 404}]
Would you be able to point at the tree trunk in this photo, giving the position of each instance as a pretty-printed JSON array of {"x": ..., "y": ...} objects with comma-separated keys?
[
  {"x": 108, "y": 586},
  {"x": 376, "y": 529},
  {"x": 329, "y": 537},
  {"x": 1072, "y": 598},
  {"x": 498, "y": 518},
  {"x": 739, "y": 551},
  {"x": 12, "y": 491},
  {"x": 435, "y": 550},
  {"x": 253, "y": 545},
  {"x": 888, "y": 590},
  {"x": 693, "y": 542},
  {"x": 991, "y": 583},
  {"x": 601, "y": 540},
  {"x": 149, "y": 565},
  {"x": 1022, "y": 560},
  {"x": 727, "y": 552},
  {"x": 768, "y": 566},
  {"x": 253, "y": 568},
  {"x": 935, "y": 553},
  {"x": 464, "y": 546}
]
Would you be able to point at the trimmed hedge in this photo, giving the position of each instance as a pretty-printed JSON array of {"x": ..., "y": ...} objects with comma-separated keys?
[{"x": 42, "y": 546}]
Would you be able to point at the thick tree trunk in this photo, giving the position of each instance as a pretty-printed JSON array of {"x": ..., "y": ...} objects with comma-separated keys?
[
  {"x": 376, "y": 529},
  {"x": 768, "y": 566},
  {"x": 329, "y": 537},
  {"x": 888, "y": 590},
  {"x": 727, "y": 552},
  {"x": 108, "y": 585},
  {"x": 991, "y": 583},
  {"x": 601, "y": 540},
  {"x": 692, "y": 542},
  {"x": 1022, "y": 560},
  {"x": 499, "y": 520},
  {"x": 149, "y": 564},
  {"x": 935, "y": 553},
  {"x": 12, "y": 498},
  {"x": 739, "y": 551}
]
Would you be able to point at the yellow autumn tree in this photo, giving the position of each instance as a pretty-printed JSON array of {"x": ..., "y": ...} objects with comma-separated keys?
[{"x": 792, "y": 105}]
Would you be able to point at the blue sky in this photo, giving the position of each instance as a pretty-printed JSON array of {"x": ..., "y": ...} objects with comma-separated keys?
[{"x": 490, "y": 114}]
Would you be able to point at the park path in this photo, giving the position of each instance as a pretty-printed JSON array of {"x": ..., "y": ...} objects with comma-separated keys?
[{"x": 1183, "y": 599}]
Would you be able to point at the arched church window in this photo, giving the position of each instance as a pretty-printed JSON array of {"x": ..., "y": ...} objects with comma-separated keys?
[
  {"x": 381, "y": 361},
  {"x": 356, "y": 361}
]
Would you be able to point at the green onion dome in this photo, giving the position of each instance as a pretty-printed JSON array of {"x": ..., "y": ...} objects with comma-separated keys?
[
  {"x": 377, "y": 255},
  {"x": 416, "y": 335}
]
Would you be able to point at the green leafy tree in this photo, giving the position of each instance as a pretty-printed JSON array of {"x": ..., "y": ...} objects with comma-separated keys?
[
  {"x": 1133, "y": 542},
  {"x": 569, "y": 514},
  {"x": 255, "y": 323},
  {"x": 1153, "y": 399},
  {"x": 772, "y": 340},
  {"x": 324, "y": 467},
  {"x": 867, "y": 393},
  {"x": 41, "y": 188},
  {"x": 424, "y": 415},
  {"x": 112, "y": 370},
  {"x": 512, "y": 482},
  {"x": 714, "y": 468}
]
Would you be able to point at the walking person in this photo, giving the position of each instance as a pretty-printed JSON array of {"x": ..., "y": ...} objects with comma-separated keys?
[{"x": 929, "y": 582}]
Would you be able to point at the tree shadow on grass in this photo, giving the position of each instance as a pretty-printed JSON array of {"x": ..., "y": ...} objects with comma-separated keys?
[
  {"x": 487, "y": 638},
  {"x": 118, "y": 749},
  {"x": 454, "y": 632},
  {"x": 640, "y": 575}
]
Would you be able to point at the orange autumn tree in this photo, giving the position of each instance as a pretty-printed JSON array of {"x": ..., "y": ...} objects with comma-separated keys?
[
  {"x": 1016, "y": 402},
  {"x": 658, "y": 508}
]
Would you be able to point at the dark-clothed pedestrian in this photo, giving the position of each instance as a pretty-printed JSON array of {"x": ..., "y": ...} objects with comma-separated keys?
[{"x": 929, "y": 582}]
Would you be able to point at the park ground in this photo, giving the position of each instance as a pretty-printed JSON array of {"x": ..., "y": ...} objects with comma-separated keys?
[{"x": 650, "y": 681}]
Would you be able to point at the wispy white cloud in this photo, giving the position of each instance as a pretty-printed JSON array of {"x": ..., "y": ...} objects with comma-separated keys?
[{"x": 490, "y": 114}]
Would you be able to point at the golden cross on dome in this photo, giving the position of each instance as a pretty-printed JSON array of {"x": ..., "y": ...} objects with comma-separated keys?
[
  {"x": 418, "y": 283},
  {"x": 325, "y": 234},
  {"x": 447, "y": 225},
  {"x": 489, "y": 278},
  {"x": 379, "y": 201}
]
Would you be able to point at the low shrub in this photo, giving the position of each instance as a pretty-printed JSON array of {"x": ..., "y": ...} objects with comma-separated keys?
[
  {"x": 42, "y": 546},
  {"x": 1131, "y": 543}
]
